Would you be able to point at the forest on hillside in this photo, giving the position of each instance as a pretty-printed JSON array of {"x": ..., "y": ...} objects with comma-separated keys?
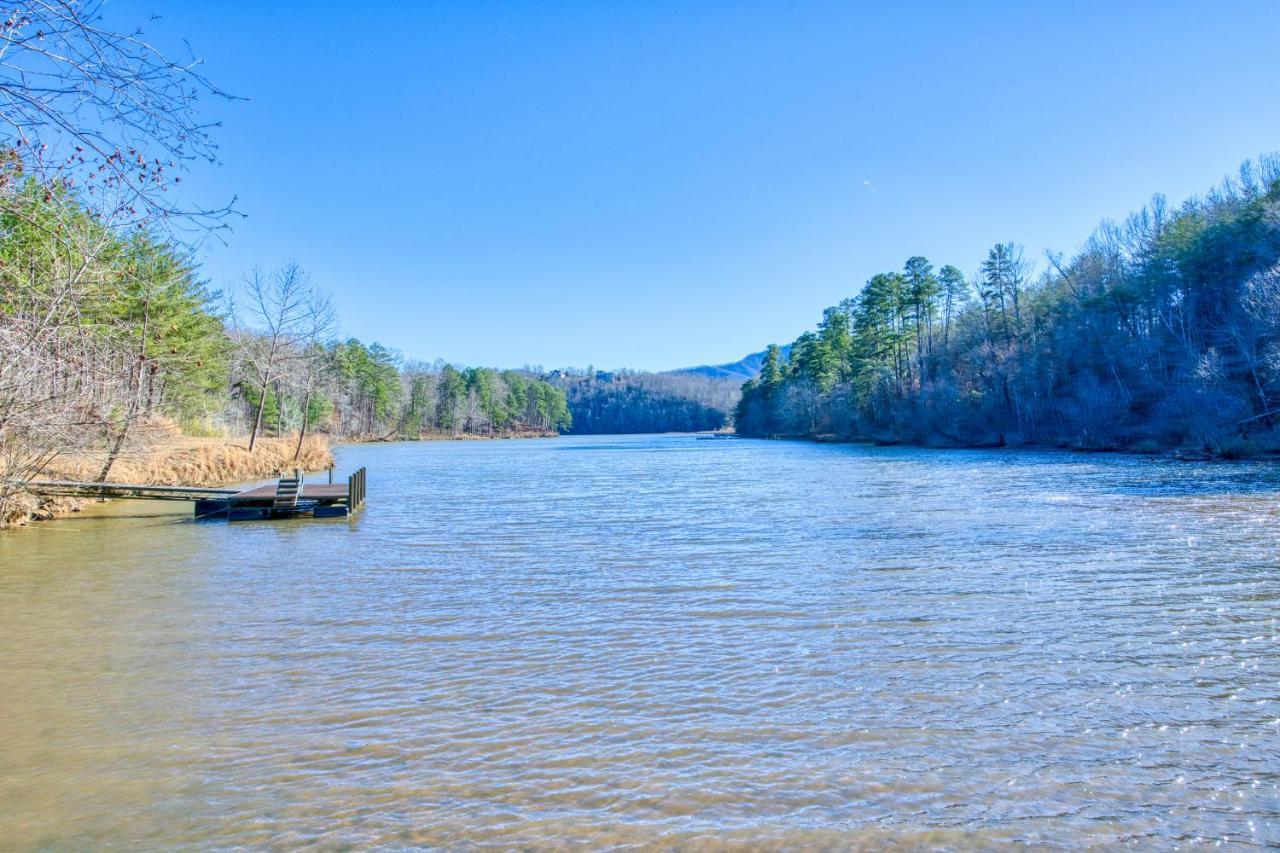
[
  {"x": 1162, "y": 332},
  {"x": 624, "y": 401},
  {"x": 370, "y": 392}
]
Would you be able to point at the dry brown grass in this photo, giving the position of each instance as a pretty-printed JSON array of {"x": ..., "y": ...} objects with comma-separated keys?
[{"x": 184, "y": 461}]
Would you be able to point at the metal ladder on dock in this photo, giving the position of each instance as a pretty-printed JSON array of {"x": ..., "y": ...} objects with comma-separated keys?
[{"x": 288, "y": 490}]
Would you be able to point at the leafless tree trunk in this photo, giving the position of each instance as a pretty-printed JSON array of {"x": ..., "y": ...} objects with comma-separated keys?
[{"x": 284, "y": 318}]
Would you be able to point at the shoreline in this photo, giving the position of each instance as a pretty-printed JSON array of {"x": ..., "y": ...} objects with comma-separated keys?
[
  {"x": 191, "y": 461},
  {"x": 174, "y": 460},
  {"x": 180, "y": 460},
  {"x": 477, "y": 436},
  {"x": 347, "y": 441}
]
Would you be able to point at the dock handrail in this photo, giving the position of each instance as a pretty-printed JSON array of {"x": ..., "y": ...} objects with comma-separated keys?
[
  {"x": 287, "y": 491},
  {"x": 355, "y": 488}
]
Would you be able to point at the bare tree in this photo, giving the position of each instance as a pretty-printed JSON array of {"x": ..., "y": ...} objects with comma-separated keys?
[
  {"x": 1257, "y": 337},
  {"x": 309, "y": 365},
  {"x": 102, "y": 111},
  {"x": 282, "y": 316},
  {"x": 59, "y": 377}
]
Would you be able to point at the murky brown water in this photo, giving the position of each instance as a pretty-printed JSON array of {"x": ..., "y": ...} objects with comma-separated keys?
[{"x": 662, "y": 642}]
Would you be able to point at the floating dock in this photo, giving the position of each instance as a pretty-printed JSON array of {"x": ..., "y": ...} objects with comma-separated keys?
[{"x": 288, "y": 498}]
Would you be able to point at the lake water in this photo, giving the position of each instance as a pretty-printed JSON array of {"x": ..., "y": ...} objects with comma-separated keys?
[{"x": 663, "y": 642}]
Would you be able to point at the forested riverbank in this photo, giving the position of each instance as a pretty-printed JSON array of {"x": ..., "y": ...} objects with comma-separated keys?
[{"x": 1161, "y": 333}]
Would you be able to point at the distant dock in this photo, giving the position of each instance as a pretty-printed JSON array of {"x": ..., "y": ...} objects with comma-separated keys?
[{"x": 288, "y": 498}]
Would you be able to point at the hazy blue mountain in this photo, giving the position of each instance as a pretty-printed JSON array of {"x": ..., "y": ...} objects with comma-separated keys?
[{"x": 747, "y": 367}]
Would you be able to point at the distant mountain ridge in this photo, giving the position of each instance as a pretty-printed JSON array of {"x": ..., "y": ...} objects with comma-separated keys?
[{"x": 747, "y": 367}]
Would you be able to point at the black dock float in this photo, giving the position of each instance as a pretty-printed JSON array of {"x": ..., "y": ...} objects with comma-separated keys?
[{"x": 289, "y": 498}]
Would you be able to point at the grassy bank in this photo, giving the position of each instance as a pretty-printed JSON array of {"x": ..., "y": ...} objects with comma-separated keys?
[{"x": 174, "y": 460}]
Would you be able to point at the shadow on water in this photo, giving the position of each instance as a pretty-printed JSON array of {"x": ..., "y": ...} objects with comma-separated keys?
[
  {"x": 1101, "y": 473},
  {"x": 90, "y": 517}
]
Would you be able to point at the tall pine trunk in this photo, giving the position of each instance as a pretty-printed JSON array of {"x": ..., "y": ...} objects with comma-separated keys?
[
  {"x": 302, "y": 431},
  {"x": 114, "y": 453},
  {"x": 257, "y": 418}
]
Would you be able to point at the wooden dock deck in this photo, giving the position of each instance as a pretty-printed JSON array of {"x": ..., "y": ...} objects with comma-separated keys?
[
  {"x": 267, "y": 493},
  {"x": 323, "y": 500}
]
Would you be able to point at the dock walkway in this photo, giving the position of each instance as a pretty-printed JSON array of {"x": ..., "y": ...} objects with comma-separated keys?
[{"x": 128, "y": 491}]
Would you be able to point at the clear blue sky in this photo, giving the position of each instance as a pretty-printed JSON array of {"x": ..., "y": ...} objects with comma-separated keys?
[{"x": 658, "y": 184}]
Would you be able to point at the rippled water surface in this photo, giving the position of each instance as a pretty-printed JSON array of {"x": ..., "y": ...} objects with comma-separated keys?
[{"x": 663, "y": 642}]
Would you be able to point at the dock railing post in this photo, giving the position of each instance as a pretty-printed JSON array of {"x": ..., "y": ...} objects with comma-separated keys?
[{"x": 355, "y": 490}]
